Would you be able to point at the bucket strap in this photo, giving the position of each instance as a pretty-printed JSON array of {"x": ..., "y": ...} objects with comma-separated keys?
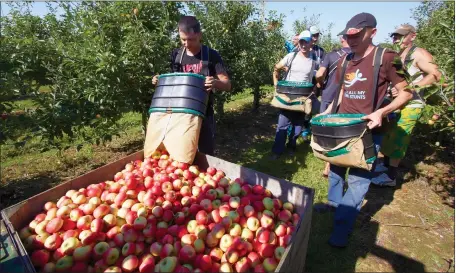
[{"x": 345, "y": 62}]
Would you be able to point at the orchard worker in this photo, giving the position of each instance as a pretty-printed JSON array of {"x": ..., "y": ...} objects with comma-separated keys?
[
  {"x": 317, "y": 51},
  {"x": 292, "y": 46},
  {"x": 194, "y": 57},
  {"x": 357, "y": 96},
  {"x": 416, "y": 61},
  {"x": 318, "y": 54},
  {"x": 299, "y": 66},
  {"x": 325, "y": 77}
]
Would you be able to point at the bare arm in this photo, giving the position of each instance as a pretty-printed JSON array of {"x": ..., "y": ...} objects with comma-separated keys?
[
  {"x": 321, "y": 73},
  {"x": 328, "y": 110},
  {"x": 223, "y": 82},
  {"x": 425, "y": 62},
  {"x": 275, "y": 75}
]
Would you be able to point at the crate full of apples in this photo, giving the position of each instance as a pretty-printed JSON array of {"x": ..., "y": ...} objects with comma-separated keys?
[{"x": 160, "y": 215}]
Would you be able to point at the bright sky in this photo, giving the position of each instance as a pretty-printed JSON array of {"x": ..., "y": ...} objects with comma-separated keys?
[{"x": 388, "y": 14}]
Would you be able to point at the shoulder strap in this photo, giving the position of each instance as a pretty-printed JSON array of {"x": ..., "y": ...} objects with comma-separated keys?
[
  {"x": 178, "y": 59},
  {"x": 378, "y": 58},
  {"x": 289, "y": 68},
  {"x": 205, "y": 61},
  {"x": 408, "y": 58},
  {"x": 333, "y": 66},
  {"x": 341, "y": 81}
]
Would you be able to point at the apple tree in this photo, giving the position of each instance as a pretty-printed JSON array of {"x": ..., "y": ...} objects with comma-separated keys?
[
  {"x": 435, "y": 33},
  {"x": 103, "y": 57},
  {"x": 265, "y": 48}
]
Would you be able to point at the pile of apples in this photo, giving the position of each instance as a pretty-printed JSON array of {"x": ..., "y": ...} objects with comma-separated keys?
[{"x": 159, "y": 215}]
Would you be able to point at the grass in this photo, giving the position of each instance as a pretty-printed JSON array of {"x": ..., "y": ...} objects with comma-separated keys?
[{"x": 409, "y": 228}]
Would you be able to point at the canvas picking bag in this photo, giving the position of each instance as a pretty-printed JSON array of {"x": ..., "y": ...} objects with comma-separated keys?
[
  {"x": 178, "y": 133},
  {"x": 343, "y": 140},
  {"x": 292, "y": 95}
]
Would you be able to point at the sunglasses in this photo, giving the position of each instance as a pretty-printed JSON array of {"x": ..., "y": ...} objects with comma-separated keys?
[
  {"x": 316, "y": 35},
  {"x": 355, "y": 36},
  {"x": 304, "y": 42},
  {"x": 397, "y": 36}
]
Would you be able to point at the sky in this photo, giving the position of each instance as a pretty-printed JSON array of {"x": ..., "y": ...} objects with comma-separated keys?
[{"x": 388, "y": 14}]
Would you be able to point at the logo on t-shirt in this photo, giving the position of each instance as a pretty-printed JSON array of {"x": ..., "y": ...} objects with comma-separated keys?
[
  {"x": 192, "y": 68},
  {"x": 352, "y": 78}
]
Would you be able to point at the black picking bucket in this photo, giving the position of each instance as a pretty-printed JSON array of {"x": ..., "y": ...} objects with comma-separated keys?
[
  {"x": 180, "y": 92},
  {"x": 294, "y": 89},
  {"x": 331, "y": 130}
]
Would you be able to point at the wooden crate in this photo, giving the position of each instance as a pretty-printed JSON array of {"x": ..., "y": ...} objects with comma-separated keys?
[{"x": 19, "y": 215}]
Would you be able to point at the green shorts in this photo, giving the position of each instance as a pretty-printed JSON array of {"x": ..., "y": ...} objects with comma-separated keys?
[{"x": 397, "y": 139}]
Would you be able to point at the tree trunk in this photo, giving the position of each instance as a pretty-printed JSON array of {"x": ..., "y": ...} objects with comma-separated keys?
[
  {"x": 256, "y": 98},
  {"x": 144, "y": 116},
  {"x": 219, "y": 103}
]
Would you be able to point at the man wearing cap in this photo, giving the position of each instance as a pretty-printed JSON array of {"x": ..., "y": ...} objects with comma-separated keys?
[
  {"x": 299, "y": 66},
  {"x": 318, "y": 54},
  {"x": 416, "y": 61},
  {"x": 317, "y": 51},
  {"x": 357, "y": 97},
  {"x": 325, "y": 77}
]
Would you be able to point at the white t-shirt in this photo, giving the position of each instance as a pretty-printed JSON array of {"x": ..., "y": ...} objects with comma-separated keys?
[{"x": 302, "y": 68}]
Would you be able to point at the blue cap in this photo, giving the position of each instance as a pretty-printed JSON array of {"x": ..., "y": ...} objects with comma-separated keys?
[{"x": 306, "y": 36}]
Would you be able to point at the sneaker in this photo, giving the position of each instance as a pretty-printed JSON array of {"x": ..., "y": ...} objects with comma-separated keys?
[
  {"x": 380, "y": 168},
  {"x": 384, "y": 180}
]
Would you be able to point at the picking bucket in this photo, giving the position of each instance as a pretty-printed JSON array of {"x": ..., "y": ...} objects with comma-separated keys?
[{"x": 180, "y": 93}]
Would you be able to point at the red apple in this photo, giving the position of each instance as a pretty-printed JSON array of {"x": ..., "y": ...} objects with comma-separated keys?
[
  {"x": 202, "y": 217},
  {"x": 187, "y": 254},
  {"x": 205, "y": 263},
  {"x": 40, "y": 257},
  {"x": 243, "y": 265},
  {"x": 155, "y": 249},
  {"x": 130, "y": 263},
  {"x": 147, "y": 264}
]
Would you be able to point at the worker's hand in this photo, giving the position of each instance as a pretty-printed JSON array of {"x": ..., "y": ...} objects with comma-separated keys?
[
  {"x": 155, "y": 80},
  {"x": 320, "y": 114},
  {"x": 375, "y": 119},
  {"x": 209, "y": 83}
]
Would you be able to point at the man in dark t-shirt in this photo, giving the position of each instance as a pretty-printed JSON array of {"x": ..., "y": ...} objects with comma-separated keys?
[
  {"x": 189, "y": 58},
  {"x": 325, "y": 77},
  {"x": 325, "y": 74},
  {"x": 357, "y": 96}
]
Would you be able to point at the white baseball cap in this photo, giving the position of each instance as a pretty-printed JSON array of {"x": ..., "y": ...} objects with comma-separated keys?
[
  {"x": 305, "y": 35},
  {"x": 314, "y": 30}
]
